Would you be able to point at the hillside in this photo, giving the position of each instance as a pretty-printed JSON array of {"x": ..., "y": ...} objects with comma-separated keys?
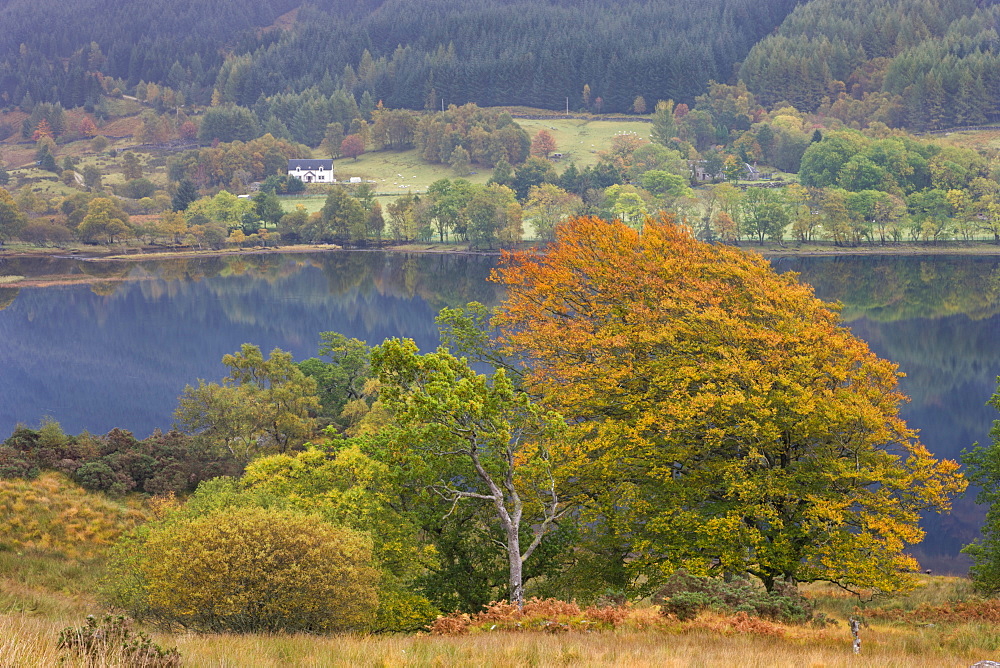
[
  {"x": 914, "y": 63},
  {"x": 408, "y": 53}
]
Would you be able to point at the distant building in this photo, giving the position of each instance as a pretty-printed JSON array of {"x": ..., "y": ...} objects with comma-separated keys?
[{"x": 311, "y": 171}]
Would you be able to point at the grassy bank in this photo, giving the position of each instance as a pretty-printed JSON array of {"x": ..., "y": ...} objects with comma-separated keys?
[{"x": 711, "y": 640}]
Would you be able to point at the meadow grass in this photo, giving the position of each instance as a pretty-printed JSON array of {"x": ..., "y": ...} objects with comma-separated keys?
[
  {"x": 580, "y": 140},
  {"x": 30, "y": 641},
  {"x": 43, "y": 592}
]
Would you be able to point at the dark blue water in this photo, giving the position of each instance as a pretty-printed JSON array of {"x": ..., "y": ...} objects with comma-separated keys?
[
  {"x": 99, "y": 361},
  {"x": 118, "y": 352}
]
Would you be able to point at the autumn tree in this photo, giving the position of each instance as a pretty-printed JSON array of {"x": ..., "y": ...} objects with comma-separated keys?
[
  {"x": 543, "y": 144},
  {"x": 728, "y": 423},
  {"x": 87, "y": 128},
  {"x": 352, "y": 146},
  {"x": 500, "y": 439},
  {"x": 42, "y": 130}
]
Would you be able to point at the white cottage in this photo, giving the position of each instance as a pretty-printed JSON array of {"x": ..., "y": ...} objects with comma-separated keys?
[{"x": 311, "y": 171}]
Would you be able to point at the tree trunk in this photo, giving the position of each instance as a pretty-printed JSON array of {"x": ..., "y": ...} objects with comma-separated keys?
[{"x": 514, "y": 559}]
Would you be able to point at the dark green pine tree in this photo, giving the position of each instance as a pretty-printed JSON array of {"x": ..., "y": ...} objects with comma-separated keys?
[{"x": 186, "y": 193}]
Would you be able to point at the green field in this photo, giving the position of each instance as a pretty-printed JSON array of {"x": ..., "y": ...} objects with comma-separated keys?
[
  {"x": 397, "y": 173},
  {"x": 580, "y": 140},
  {"x": 394, "y": 173}
]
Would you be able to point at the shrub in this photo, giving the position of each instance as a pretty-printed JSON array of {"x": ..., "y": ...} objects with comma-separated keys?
[
  {"x": 251, "y": 570},
  {"x": 99, "y": 477},
  {"x": 115, "y": 463},
  {"x": 111, "y": 640},
  {"x": 400, "y": 611},
  {"x": 14, "y": 464},
  {"x": 684, "y": 596}
]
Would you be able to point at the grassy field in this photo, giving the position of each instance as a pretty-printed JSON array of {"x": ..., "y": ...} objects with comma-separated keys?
[
  {"x": 53, "y": 534},
  {"x": 28, "y": 640},
  {"x": 580, "y": 140},
  {"x": 396, "y": 173}
]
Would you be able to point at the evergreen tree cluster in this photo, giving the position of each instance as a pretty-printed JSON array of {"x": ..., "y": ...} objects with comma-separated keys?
[
  {"x": 920, "y": 64},
  {"x": 52, "y": 51},
  {"x": 408, "y": 53}
]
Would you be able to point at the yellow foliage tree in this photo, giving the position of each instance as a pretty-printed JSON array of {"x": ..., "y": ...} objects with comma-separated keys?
[{"x": 727, "y": 422}]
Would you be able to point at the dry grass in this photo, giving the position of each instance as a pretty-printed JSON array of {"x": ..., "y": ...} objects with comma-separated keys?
[
  {"x": 27, "y": 641},
  {"x": 645, "y": 638},
  {"x": 52, "y": 513}
]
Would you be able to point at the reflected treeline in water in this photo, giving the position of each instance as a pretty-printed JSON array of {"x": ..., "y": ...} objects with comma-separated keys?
[
  {"x": 938, "y": 318},
  {"x": 96, "y": 361},
  {"x": 892, "y": 288}
]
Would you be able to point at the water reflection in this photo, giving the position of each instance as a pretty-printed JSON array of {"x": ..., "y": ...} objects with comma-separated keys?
[
  {"x": 116, "y": 350},
  {"x": 938, "y": 318}
]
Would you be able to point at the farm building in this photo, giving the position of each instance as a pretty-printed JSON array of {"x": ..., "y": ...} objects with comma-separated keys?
[{"x": 311, "y": 171}]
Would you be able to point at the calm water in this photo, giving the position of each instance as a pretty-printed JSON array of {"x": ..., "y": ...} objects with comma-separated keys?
[{"x": 118, "y": 352}]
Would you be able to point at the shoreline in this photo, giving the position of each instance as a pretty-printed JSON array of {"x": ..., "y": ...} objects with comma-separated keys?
[{"x": 86, "y": 254}]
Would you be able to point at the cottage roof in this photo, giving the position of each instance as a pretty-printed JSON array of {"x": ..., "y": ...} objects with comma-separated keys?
[{"x": 310, "y": 165}]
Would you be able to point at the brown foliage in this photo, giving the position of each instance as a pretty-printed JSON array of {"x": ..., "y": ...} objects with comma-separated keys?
[
  {"x": 548, "y": 615},
  {"x": 455, "y": 624},
  {"x": 741, "y": 623},
  {"x": 985, "y": 611}
]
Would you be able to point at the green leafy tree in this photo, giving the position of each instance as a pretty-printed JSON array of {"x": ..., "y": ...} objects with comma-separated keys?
[
  {"x": 261, "y": 404},
  {"x": 12, "y": 219},
  {"x": 346, "y": 487},
  {"x": 448, "y": 202},
  {"x": 495, "y": 433},
  {"x": 667, "y": 187},
  {"x": 764, "y": 215},
  {"x": 341, "y": 372},
  {"x": 92, "y": 177},
  {"x": 267, "y": 207},
  {"x": 105, "y": 221},
  {"x": 342, "y": 219},
  {"x": 983, "y": 470},
  {"x": 460, "y": 162},
  {"x": 494, "y": 217},
  {"x": 131, "y": 169}
]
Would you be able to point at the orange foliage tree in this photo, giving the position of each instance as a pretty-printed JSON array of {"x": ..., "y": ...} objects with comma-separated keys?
[
  {"x": 543, "y": 144},
  {"x": 43, "y": 129},
  {"x": 726, "y": 421}
]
